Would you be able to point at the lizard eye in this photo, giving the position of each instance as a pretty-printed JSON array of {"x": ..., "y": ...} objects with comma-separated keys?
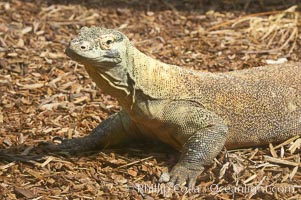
[{"x": 108, "y": 42}]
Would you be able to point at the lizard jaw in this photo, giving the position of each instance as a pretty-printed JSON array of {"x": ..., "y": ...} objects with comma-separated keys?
[{"x": 94, "y": 57}]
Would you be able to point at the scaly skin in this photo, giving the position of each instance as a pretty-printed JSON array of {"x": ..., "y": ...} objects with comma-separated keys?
[{"x": 198, "y": 113}]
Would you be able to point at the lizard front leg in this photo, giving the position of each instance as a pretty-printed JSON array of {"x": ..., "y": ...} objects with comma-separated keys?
[
  {"x": 206, "y": 137},
  {"x": 200, "y": 149},
  {"x": 118, "y": 128}
]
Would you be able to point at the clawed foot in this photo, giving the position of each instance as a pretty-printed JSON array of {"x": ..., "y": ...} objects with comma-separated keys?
[{"x": 181, "y": 175}]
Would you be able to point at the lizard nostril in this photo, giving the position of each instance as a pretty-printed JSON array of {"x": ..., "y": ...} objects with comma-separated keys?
[{"x": 84, "y": 45}]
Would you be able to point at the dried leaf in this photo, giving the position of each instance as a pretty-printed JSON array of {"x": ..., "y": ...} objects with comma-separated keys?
[
  {"x": 280, "y": 161},
  {"x": 293, "y": 173},
  {"x": 272, "y": 150},
  {"x": 31, "y": 86},
  {"x": 132, "y": 172},
  {"x": 26, "y": 30},
  {"x": 223, "y": 170},
  {"x": 1, "y": 118},
  {"x": 25, "y": 192},
  {"x": 295, "y": 146}
]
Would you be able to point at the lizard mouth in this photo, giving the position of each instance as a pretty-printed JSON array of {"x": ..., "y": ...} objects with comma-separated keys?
[
  {"x": 111, "y": 54},
  {"x": 70, "y": 53},
  {"x": 106, "y": 57}
]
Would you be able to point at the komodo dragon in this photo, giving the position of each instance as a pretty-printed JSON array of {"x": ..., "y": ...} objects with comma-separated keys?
[{"x": 197, "y": 113}]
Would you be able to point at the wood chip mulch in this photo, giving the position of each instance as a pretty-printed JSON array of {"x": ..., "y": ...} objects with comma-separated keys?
[{"x": 43, "y": 94}]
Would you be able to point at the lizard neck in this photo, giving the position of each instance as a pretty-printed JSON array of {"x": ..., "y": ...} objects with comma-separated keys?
[
  {"x": 155, "y": 78},
  {"x": 117, "y": 88}
]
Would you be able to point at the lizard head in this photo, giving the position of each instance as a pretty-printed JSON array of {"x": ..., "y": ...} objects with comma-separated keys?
[
  {"x": 103, "y": 52},
  {"x": 98, "y": 47}
]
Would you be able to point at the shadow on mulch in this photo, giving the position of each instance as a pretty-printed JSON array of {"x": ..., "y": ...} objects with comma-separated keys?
[
  {"x": 142, "y": 149},
  {"x": 201, "y": 6}
]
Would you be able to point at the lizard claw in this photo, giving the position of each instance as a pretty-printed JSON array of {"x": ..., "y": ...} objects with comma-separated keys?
[
  {"x": 73, "y": 146},
  {"x": 64, "y": 145},
  {"x": 181, "y": 175},
  {"x": 49, "y": 147}
]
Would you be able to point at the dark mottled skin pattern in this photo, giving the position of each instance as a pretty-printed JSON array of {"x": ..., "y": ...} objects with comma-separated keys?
[{"x": 197, "y": 113}]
